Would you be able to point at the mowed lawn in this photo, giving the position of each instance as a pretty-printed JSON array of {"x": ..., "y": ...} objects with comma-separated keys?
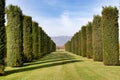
[{"x": 63, "y": 65}]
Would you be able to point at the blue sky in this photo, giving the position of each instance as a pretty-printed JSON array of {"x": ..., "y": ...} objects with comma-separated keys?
[{"x": 62, "y": 17}]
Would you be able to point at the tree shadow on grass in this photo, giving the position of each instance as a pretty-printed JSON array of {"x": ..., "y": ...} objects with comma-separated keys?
[
  {"x": 40, "y": 66},
  {"x": 50, "y": 60},
  {"x": 46, "y": 61}
]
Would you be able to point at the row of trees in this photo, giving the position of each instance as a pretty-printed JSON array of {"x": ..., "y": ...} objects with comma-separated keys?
[
  {"x": 22, "y": 39},
  {"x": 2, "y": 36},
  {"x": 98, "y": 39}
]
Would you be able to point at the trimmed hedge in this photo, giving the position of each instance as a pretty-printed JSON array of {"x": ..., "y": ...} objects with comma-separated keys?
[
  {"x": 76, "y": 43},
  {"x": 68, "y": 46},
  {"x": 79, "y": 43},
  {"x": 14, "y": 31},
  {"x": 45, "y": 43},
  {"x": 2, "y": 37},
  {"x": 110, "y": 35},
  {"x": 40, "y": 41},
  {"x": 97, "y": 39},
  {"x": 72, "y": 45},
  {"x": 35, "y": 40},
  {"x": 27, "y": 38},
  {"x": 89, "y": 48},
  {"x": 83, "y": 41}
]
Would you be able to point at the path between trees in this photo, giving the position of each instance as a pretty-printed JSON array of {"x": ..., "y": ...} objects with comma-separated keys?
[{"x": 63, "y": 65}]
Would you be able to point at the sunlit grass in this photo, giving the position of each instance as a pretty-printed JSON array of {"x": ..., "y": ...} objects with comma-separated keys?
[{"x": 62, "y": 65}]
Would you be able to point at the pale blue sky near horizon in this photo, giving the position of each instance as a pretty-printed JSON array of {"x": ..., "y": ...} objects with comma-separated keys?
[{"x": 62, "y": 17}]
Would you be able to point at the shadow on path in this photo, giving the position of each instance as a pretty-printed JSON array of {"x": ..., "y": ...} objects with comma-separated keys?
[{"x": 53, "y": 59}]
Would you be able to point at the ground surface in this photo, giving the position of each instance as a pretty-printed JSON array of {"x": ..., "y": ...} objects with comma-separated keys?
[{"x": 62, "y": 65}]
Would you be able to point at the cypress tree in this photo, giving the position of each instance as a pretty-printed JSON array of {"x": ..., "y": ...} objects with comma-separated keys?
[
  {"x": 27, "y": 38},
  {"x": 14, "y": 31},
  {"x": 76, "y": 43},
  {"x": 69, "y": 46},
  {"x": 97, "y": 39},
  {"x": 83, "y": 41},
  {"x": 2, "y": 36},
  {"x": 48, "y": 47},
  {"x": 110, "y": 35},
  {"x": 66, "y": 46},
  {"x": 73, "y": 45},
  {"x": 45, "y": 43},
  {"x": 40, "y": 41},
  {"x": 79, "y": 43},
  {"x": 54, "y": 47},
  {"x": 35, "y": 40},
  {"x": 89, "y": 40},
  {"x": 51, "y": 46}
]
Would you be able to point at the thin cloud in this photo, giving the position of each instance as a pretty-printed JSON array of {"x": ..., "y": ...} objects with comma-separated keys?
[
  {"x": 62, "y": 17},
  {"x": 65, "y": 19},
  {"x": 51, "y": 2}
]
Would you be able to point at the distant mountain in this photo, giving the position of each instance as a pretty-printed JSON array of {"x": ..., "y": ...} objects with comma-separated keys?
[{"x": 61, "y": 40}]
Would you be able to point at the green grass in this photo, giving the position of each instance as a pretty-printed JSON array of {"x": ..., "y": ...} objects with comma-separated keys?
[{"x": 63, "y": 65}]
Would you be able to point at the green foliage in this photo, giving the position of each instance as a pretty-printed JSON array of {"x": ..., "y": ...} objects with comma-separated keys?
[
  {"x": 72, "y": 45},
  {"x": 68, "y": 46},
  {"x": 48, "y": 43},
  {"x": 110, "y": 35},
  {"x": 83, "y": 41},
  {"x": 35, "y": 40},
  {"x": 27, "y": 38},
  {"x": 73, "y": 42},
  {"x": 97, "y": 39},
  {"x": 40, "y": 41},
  {"x": 45, "y": 43},
  {"x": 53, "y": 46},
  {"x": 14, "y": 31},
  {"x": 76, "y": 43},
  {"x": 2, "y": 36},
  {"x": 89, "y": 48},
  {"x": 79, "y": 43}
]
